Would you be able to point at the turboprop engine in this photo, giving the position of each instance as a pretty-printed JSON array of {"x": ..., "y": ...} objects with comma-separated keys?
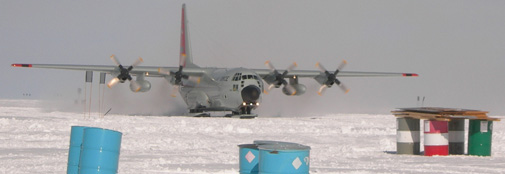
[
  {"x": 140, "y": 86},
  {"x": 299, "y": 90}
]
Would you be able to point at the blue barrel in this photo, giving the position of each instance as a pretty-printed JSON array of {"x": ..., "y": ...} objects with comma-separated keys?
[
  {"x": 100, "y": 151},
  {"x": 248, "y": 158},
  {"x": 284, "y": 158},
  {"x": 74, "y": 151}
]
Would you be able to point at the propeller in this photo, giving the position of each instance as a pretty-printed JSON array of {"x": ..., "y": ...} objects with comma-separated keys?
[
  {"x": 179, "y": 75},
  {"x": 279, "y": 79},
  {"x": 124, "y": 73},
  {"x": 331, "y": 78},
  {"x": 175, "y": 89}
]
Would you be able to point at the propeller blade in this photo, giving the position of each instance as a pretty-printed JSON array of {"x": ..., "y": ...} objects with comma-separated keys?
[
  {"x": 341, "y": 66},
  {"x": 137, "y": 62},
  {"x": 135, "y": 85},
  {"x": 112, "y": 82},
  {"x": 266, "y": 90},
  {"x": 337, "y": 81},
  {"x": 321, "y": 67},
  {"x": 291, "y": 67},
  {"x": 343, "y": 88},
  {"x": 271, "y": 86},
  {"x": 270, "y": 66},
  {"x": 322, "y": 89},
  {"x": 114, "y": 59},
  {"x": 182, "y": 60},
  {"x": 175, "y": 89}
]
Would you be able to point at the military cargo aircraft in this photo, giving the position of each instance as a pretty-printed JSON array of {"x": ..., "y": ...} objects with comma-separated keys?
[{"x": 218, "y": 89}]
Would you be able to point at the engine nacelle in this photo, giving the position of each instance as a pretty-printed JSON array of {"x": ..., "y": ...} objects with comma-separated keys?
[
  {"x": 144, "y": 86},
  {"x": 300, "y": 89}
]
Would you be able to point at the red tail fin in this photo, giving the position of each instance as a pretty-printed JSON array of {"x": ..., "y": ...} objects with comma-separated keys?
[
  {"x": 185, "y": 58},
  {"x": 183, "y": 54}
]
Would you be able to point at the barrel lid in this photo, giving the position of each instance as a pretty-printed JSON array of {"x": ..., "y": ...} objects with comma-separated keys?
[
  {"x": 267, "y": 142},
  {"x": 250, "y": 146},
  {"x": 80, "y": 127},
  {"x": 283, "y": 147},
  {"x": 102, "y": 129}
]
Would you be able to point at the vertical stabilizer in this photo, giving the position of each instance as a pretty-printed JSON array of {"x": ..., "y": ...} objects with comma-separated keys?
[{"x": 186, "y": 59}]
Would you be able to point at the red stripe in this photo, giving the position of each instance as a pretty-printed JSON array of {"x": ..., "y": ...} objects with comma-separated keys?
[
  {"x": 437, "y": 127},
  {"x": 22, "y": 65},
  {"x": 410, "y": 75},
  {"x": 436, "y": 150},
  {"x": 183, "y": 35}
]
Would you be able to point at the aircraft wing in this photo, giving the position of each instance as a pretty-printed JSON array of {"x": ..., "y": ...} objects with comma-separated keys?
[
  {"x": 151, "y": 71},
  {"x": 277, "y": 78},
  {"x": 314, "y": 73}
]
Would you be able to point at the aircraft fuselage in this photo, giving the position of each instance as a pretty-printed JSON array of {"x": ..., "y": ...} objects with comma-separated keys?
[{"x": 237, "y": 90}]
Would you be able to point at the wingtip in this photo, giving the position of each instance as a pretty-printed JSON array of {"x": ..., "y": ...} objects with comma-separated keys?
[
  {"x": 21, "y": 65},
  {"x": 410, "y": 75}
]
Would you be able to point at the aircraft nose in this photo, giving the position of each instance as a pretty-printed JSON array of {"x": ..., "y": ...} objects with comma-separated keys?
[{"x": 251, "y": 93}]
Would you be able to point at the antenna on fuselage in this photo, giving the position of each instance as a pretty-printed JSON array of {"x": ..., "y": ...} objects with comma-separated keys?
[
  {"x": 420, "y": 102},
  {"x": 88, "y": 79},
  {"x": 101, "y": 94}
]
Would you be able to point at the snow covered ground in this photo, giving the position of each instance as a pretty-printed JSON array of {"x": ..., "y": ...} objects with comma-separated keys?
[{"x": 34, "y": 139}]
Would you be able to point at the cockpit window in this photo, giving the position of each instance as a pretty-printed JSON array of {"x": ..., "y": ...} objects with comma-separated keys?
[
  {"x": 245, "y": 77},
  {"x": 237, "y": 76}
]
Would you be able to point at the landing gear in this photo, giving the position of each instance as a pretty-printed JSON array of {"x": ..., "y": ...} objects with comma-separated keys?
[
  {"x": 244, "y": 113},
  {"x": 245, "y": 110},
  {"x": 198, "y": 113},
  {"x": 195, "y": 111}
]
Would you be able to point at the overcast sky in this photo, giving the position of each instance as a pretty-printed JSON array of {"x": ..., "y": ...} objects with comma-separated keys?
[{"x": 457, "y": 48}]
